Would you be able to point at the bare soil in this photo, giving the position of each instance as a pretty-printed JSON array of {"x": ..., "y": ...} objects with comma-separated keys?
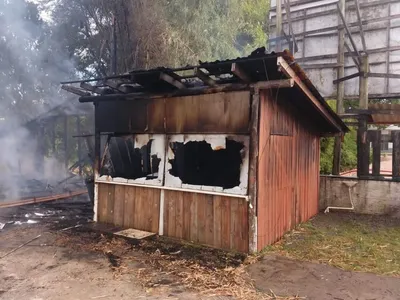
[
  {"x": 286, "y": 276},
  {"x": 79, "y": 264}
]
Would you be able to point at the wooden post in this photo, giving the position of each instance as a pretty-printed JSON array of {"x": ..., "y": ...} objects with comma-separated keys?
[
  {"x": 375, "y": 136},
  {"x": 362, "y": 149},
  {"x": 253, "y": 170},
  {"x": 278, "y": 25},
  {"x": 337, "y": 151},
  {"x": 364, "y": 69},
  {"x": 79, "y": 144},
  {"x": 396, "y": 155}
]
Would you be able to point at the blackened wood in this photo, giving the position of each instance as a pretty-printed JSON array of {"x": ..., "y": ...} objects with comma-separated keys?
[
  {"x": 253, "y": 170},
  {"x": 362, "y": 149},
  {"x": 374, "y": 136},
  {"x": 337, "y": 151},
  {"x": 396, "y": 155}
]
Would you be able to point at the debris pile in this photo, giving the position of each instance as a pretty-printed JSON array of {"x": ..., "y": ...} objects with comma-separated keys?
[{"x": 162, "y": 263}]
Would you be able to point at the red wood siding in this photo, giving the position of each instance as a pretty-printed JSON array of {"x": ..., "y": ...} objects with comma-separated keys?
[
  {"x": 217, "y": 221},
  {"x": 129, "y": 206},
  {"x": 288, "y": 170}
]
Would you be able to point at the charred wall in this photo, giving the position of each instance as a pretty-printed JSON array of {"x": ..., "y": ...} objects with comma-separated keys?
[{"x": 211, "y": 113}]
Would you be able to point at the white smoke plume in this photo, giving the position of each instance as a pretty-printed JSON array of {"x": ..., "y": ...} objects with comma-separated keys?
[{"x": 31, "y": 66}]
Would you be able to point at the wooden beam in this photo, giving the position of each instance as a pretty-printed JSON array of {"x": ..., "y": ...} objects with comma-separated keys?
[
  {"x": 115, "y": 86},
  {"x": 363, "y": 82},
  {"x": 352, "y": 55},
  {"x": 79, "y": 143},
  {"x": 293, "y": 46},
  {"x": 91, "y": 88},
  {"x": 204, "y": 77},
  {"x": 362, "y": 149},
  {"x": 238, "y": 72},
  {"x": 396, "y": 155},
  {"x": 278, "y": 25},
  {"x": 333, "y": 29},
  {"x": 347, "y": 30},
  {"x": 317, "y": 104},
  {"x": 360, "y": 24},
  {"x": 172, "y": 81},
  {"x": 275, "y": 84},
  {"x": 253, "y": 170},
  {"x": 74, "y": 90},
  {"x": 383, "y": 75},
  {"x": 337, "y": 150},
  {"x": 16, "y": 203},
  {"x": 347, "y": 77},
  {"x": 376, "y": 96},
  {"x": 374, "y": 136}
]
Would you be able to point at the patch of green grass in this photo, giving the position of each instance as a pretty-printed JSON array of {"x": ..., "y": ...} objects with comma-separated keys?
[{"x": 349, "y": 242}]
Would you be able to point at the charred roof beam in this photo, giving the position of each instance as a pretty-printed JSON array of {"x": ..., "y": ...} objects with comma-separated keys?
[
  {"x": 172, "y": 81},
  {"x": 238, "y": 72},
  {"x": 204, "y": 77}
]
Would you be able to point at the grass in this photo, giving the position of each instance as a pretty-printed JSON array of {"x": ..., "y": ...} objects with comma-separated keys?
[{"x": 350, "y": 242}]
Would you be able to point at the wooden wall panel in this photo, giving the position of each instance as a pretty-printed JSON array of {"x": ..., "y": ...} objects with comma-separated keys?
[
  {"x": 129, "y": 206},
  {"x": 216, "y": 221},
  {"x": 288, "y": 170},
  {"x": 211, "y": 113}
]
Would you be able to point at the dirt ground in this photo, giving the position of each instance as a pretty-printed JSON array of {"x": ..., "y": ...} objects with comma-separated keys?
[
  {"x": 317, "y": 281},
  {"x": 79, "y": 264}
]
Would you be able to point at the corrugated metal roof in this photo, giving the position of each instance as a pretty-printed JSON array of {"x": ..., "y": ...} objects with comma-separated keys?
[{"x": 259, "y": 66}]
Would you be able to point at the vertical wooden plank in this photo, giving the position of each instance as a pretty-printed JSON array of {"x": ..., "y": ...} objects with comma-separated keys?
[
  {"x": 201, "y": 217},
  {"x": 110, "y": 204},
  {"x": 226, "y": 223},
  {"x": 396, "y": 155},
  {"x": 193, "y": 218},
  {"x": 129, "y": 206},
  {"x": 102, "y": 203},
  {"x": 154, "y": 212},
  {"x": 253, "y": 169},
  {"x": 138, "y": 212},
  {"x": 172, "y": 214},
  {"x": 362, "y": 149},
  {"x": 179, "y": 215},
  {"x": 119, "y": 201},
  {"x": 375, "y": 138},
  {"x": 234, "y": 234},
  {"x": 209, "y": 220},
  {"x": 187, "y": 202},
  {"x": 218, "y": 215},
  {"x": 244, "y": 226},
  {"x": 166, "y": 212}
]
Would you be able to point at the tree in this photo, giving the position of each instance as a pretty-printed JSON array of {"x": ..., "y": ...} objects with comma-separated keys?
[{"x": 349, "y": 150}]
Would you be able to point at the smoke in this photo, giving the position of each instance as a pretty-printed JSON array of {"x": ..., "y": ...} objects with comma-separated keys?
[{"x": 31, "y": 67}]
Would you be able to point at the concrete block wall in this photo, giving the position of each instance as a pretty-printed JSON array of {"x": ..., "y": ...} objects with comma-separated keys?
[{"x": 369, "y": 196}]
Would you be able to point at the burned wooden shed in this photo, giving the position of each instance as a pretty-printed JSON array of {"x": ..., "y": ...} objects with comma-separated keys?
[{"x": 224, "y": 154}]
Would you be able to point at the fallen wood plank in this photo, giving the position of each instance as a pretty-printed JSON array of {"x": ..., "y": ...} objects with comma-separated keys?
[{"x": 41, "y": 199}]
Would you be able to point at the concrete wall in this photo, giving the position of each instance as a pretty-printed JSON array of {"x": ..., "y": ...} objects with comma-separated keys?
[{"x": 369, "y": 196}]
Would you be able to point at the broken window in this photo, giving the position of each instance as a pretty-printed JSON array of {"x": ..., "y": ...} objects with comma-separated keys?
[
  {"x": 199, "y": 162},
  {"x": 133, "y": 157}
]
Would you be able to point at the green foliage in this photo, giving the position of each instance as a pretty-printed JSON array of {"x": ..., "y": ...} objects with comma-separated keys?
[{"x": 349, "y": 149}]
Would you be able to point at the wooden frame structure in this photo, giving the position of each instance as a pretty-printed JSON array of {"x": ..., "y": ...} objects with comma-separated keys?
[
  {"x": 350, "y": 31},
  {"x": 257, "y": 103}
]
